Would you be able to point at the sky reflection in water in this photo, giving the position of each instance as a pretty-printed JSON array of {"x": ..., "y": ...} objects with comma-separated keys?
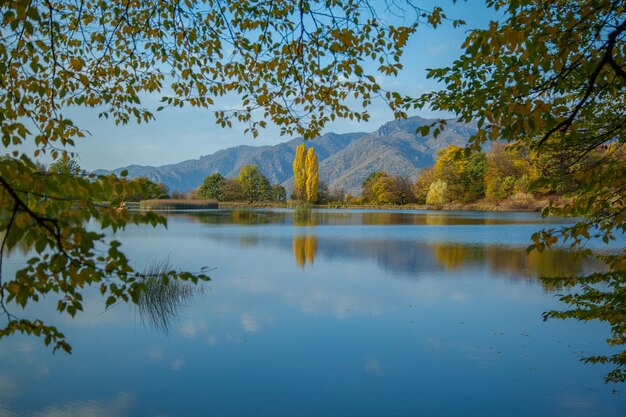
[{"x": 343, "y": 314}]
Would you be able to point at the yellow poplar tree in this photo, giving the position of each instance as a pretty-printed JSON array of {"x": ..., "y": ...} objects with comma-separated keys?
[
  {"x": 299, "y": 173},
  {"x": 311, "y": 176}
]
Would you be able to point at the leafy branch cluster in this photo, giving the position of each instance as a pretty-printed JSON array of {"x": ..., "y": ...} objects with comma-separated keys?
[{"x": 551, "y": 77}]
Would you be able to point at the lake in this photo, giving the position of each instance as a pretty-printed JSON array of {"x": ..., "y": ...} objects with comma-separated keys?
[{"x": 338, "y": 313}]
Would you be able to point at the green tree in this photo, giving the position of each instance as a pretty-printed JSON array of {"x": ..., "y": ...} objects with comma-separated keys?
[
  {"x": 212, "y": 187},
  {"x": 422, "y": 185},
  {"x": 232, "y": 190},
  {"x": 311, "y": 176},
  {"x": 277, "y": 193},
  {"x": 509, "y": 170},
  {"x": 299, "y": 173},
  {"x": 551, "y": 77},
  {"x": 464, "y": 173},
  {"x": 293, "y": 65},
  {"x": 66, "y": 165},
  {"x": 140, "y": 188},
  {"x": 254, "y": 185},
  {"x": 473, "y": 177}
]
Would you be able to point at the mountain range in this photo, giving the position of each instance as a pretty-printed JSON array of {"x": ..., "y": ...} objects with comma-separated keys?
[{"x": 345, "y": 160}]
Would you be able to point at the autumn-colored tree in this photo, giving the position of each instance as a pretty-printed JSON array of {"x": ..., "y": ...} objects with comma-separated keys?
[
  {"x": 367, "y": 187},
  {"x": 299, "y": 173},
  {"x": 462, "y": 172},
  {"x": 449, "y": 168},
  {"x": 422, "y": 185},
  {"x": 305, "y": 174},
  {"x": 311, "y": 176},
  {"x": 509, "y": 170},
  {"x": 385, "y": 190},
  {"x": 438, "y": 193},
  {"x": 550, "y": 77},
  {"x": 381, "y": 188}
]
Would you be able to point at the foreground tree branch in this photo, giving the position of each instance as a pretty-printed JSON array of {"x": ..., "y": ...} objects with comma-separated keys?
[{"x": 550, "y": 77}]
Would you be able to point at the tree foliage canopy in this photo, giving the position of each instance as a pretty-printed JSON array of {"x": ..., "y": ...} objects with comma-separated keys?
[
  {"x": 551, "y": 77},
  {"x": 380, "y": 188},
  {"x": 212, "y": 187},
  {"x": 254, "y": 185}
]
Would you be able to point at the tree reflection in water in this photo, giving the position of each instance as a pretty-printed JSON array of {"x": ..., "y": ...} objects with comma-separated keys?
[
  {"x": 509, "y": 260},
  {"x": 304, "y": 249},
  {"x": 162, "y": 298}
]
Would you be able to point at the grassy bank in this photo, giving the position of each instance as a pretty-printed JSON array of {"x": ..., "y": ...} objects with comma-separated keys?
[
  {"x": 167, "y": 205},
  {"x": 517, "y": 202}
]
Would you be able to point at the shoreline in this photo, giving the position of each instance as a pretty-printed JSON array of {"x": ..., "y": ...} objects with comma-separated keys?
[{"x": 477, "y": 206}]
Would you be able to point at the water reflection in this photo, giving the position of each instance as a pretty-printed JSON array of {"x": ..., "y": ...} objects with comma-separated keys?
[
  {"x": 328, "y": 321},
  {"x": 511, "y": 261},
  {"x": 308, "y": 217},
  {"x": 413, "y": 259},
  {"x": 304, "y": 248},
  {"x": 421, "y": 251},
  {"x": 161, "y": 298}
]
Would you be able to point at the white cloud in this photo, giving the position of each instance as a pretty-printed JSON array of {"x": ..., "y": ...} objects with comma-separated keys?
[
  {"x": 177, "y": 364},
  {"x": 249, "y": 323},
  {"x": 118, "y": 407}
]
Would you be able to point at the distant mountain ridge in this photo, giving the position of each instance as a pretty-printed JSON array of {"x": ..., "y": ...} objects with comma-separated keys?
[{"x": 345, "y": 160}]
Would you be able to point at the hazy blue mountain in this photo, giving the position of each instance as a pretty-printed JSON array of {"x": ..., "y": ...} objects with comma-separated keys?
[{"x": 344, "y": 159}]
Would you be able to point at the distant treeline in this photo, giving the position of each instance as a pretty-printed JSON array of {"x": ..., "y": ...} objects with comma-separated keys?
[
  {"x": 458, "y": 177},
  {"x": 505, "y": 172},
  {"x": 250, "y": 185}
]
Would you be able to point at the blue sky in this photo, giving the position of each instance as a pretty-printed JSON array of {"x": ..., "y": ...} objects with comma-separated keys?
[{"x": 188, "y": 133}]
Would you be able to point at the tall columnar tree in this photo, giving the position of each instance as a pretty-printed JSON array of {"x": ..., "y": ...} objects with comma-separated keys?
[
  {"x": 299, "y": 173},
  {"x": 311, "y": 176}
]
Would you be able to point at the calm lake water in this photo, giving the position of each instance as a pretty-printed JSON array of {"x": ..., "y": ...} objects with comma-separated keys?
[{"x": 344, "y": 313}]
